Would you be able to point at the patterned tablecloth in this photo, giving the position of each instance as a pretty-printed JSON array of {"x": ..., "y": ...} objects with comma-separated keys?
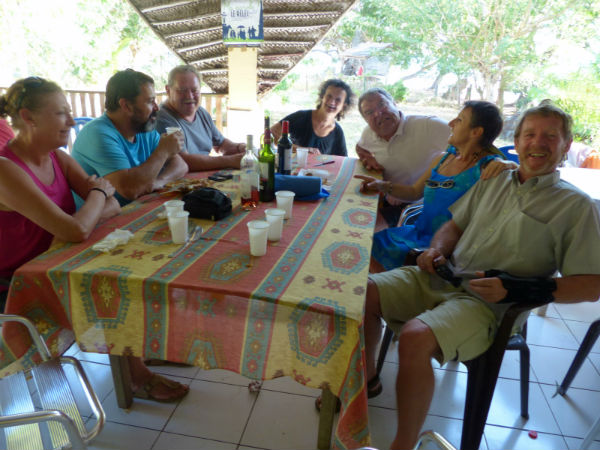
[{"x": 297, "y": 311}]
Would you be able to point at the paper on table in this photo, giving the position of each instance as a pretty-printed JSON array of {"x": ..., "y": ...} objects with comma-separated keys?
[{"x": 111, "y": 240}]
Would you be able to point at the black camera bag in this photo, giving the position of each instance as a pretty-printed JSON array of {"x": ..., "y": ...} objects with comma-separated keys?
[{"x": 207, "y": 203}]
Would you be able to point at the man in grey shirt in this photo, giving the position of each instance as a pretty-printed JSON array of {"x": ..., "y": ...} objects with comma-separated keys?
[
  {"x": 182, "y": 109},
  {"x": 526, "y": 223}
]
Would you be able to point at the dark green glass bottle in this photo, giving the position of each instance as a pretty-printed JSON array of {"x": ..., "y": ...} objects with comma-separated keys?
[{"x": 266, "y": 163}]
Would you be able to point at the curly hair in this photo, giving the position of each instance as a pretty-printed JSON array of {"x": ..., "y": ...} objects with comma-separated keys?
[{"x": 336, "y": 82}]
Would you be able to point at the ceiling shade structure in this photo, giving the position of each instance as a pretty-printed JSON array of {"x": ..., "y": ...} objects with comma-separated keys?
[{"x": 193, "y": 30}]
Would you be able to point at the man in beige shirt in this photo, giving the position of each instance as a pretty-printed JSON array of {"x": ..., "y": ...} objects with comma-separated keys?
[{"x": 528, "y": 224}]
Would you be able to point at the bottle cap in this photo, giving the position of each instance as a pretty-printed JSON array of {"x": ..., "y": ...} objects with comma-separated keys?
[
  {"x": 249, "y": 139},
  {"x": 285, "y": 126}
]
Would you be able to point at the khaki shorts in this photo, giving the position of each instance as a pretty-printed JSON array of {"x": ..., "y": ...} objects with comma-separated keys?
[{"x": 463, "y": 325}]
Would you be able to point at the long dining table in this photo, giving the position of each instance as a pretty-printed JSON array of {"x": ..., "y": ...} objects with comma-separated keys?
[{"x": 297, "y": 311}]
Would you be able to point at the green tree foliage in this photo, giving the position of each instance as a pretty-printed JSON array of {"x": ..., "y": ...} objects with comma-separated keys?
[
  {"x": 493, "y": 40},
  {"x": 397, "y": 90},
  {"x": 578, "y": 94},
  {"x": 78, "y": 43}
]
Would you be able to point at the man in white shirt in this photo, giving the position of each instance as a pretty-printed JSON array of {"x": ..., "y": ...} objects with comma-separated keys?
[{"x": 402, "y": 147}]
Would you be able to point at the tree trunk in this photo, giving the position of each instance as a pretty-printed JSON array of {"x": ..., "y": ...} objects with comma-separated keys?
[
  {"x": 500, "y": 98},
  {"x": 436, "y": 84},
  {"x": 488, "y": 85}
]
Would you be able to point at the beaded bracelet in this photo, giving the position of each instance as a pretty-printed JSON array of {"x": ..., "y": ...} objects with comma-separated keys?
[
  {"x": 99, "y": 190},
  {"x": 388, "y": 188}
]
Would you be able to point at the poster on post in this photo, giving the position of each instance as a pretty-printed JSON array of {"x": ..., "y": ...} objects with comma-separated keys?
[{"x": 242, "y": 22}]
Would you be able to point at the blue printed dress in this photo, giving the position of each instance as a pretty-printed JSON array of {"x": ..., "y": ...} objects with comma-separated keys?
[{"x": 390, "y": 246}]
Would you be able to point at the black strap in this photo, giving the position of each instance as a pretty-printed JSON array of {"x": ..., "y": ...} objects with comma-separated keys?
[{"x": 524, "y": 290}]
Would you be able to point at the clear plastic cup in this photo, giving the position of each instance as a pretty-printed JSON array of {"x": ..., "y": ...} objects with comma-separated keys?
[
  {"x": 173, "y": 206},
  {"x": 275, "y": 219},
  {"x": 178, "y": 225},
  {"x": 171, "y": 130},
  {"x": 258, "y": 231},
  {"x": 285, "y": 201},
  {"x": 301, "y": 157}
]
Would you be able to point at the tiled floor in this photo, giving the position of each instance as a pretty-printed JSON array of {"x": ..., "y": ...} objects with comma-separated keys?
[{"x": 221, "y": 413}]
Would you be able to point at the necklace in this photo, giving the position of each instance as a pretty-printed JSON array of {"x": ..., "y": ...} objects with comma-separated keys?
[{"x": 474, "y": 156}]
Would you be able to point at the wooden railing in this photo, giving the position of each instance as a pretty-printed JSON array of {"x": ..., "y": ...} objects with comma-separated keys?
[{"x": 91, "y": 104}]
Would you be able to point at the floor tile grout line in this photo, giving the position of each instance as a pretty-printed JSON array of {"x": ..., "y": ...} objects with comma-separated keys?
[
  {"x": 552, "y": 411},
  {"x": 506, "y": 427},
  {"x": 248, "y": 418}
]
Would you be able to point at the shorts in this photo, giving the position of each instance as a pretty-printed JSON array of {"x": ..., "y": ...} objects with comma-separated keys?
[{"x": 464, "y": 326}]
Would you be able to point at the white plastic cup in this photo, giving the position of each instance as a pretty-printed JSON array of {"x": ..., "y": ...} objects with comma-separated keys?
[
  {"x": 258, "y": 231},
  {"x": 178, "y": 224},
  {"x": 275, "y": 219},
  {"x": 173, "y": 206},
  {"x": 285, "y": 201},
  {"x": 171, "y": 130},
  {"x": 301, "y": 156}
]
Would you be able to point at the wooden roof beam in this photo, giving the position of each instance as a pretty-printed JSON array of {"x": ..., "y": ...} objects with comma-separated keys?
[
  {"x": 191, "y": 33},
  {"x": 159, "y": 6}
]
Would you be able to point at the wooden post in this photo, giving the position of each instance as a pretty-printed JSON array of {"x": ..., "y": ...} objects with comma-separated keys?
[
  {"x": 328, "y": 404},
  {"x": 242, "y": 108},
  {"x": 119, "y": 366}
]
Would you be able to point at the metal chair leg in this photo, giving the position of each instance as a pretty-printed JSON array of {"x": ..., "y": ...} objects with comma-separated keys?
[
  {"x": 586, "y": 345},
  {"x": 385, "y": 344}
]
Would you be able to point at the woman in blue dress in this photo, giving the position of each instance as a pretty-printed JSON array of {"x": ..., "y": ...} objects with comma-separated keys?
[{"x": 470, "y": 156}]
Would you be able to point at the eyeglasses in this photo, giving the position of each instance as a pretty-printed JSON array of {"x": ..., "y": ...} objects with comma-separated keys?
[
  {"x": 446, "y": 184},
  {"x": 28, "y": 83},
  {"x": 193, "y": 91}
]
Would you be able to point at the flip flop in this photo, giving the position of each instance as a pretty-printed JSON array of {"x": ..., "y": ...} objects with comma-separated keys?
[{"x": 145, "y": 391}]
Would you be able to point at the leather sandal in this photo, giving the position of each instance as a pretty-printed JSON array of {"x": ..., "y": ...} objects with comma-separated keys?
[{"x": 146, "y": 391}]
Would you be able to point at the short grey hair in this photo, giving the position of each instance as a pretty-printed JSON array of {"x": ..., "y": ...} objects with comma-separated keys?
[
  {"x": 374, "y": 91},
  {"x": 186, "y": 68}
]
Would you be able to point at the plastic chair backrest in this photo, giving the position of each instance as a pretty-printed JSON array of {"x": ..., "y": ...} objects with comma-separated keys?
[
  {"x": 510, "y": 155},
  {"x": 79, "y": 123}
]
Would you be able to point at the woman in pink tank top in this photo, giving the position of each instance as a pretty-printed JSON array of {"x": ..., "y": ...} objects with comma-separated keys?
[
  {"x": 36, "y": 203},
  {"x": 36, "y": 177}
]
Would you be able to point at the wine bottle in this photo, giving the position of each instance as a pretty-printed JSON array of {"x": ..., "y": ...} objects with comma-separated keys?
[
  {"x": 266, "y": 163},
  {"x": 249, "y": 177},
  {"x": 284, "y": 150}
]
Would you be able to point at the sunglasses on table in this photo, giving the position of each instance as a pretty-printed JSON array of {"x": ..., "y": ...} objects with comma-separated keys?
[{"x": 446, "y": 184}]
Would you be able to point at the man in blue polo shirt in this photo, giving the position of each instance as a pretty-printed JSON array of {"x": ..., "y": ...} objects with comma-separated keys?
[{"x": 123, "y": 146}]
